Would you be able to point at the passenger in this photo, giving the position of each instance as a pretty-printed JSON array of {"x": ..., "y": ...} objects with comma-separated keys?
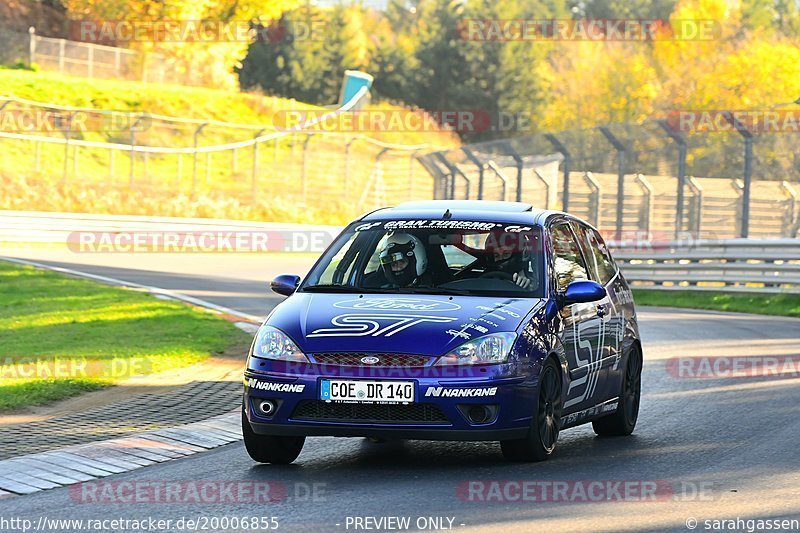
[{"x": 504, "y": 254}]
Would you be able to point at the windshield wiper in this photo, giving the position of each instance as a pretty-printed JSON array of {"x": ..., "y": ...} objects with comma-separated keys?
[
  {"x": 433, "y": 290},
  {"x": 333, "y": 287}
]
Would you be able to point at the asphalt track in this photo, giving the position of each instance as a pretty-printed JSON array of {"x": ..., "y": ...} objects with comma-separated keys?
[{"x": 720, "y": 448}]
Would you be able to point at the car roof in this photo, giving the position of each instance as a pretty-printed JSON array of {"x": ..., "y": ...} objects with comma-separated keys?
[{"x": 479, "y": 210}]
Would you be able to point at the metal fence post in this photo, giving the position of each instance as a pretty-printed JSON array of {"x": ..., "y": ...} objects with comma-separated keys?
[
  {"x": 254, "y": 179},
  {"x": 481, "y": 169},
  {"x": 696, "y": 213},
  {"x": 197, "y": 133},
  {"x": 439, "y": 177},
  {"x": 450, "y": 184},
  {"x": 501, "y": 175},
  {"x": 595, "y": 199},
  {"x": 678, "y": 138},
  {"x": 520, "y": 168},
  {"x": 748, "y": 181},
  {"x": 32, "y": 46},
  {"x": 560, "y": 148},
  {"x": 620, "y": 148},
  {"x": 747, "y": 170},
  {"x": 131, "y": 176},
  {"x": 66, "y": 147},
  {"x": 453, "y": 171},
  {"x": 791, "y": 218}
]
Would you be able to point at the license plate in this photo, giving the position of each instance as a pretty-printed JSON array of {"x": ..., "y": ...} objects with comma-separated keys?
[{"x": 335, "y": 390}]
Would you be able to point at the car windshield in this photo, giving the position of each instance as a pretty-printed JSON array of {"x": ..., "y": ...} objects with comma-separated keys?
[{"x": 433, "y": 257}]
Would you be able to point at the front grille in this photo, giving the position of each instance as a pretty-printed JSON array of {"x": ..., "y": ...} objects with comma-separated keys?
[
  {"x": 385, "y": 359},
  {"x": 417, "y": 413}
]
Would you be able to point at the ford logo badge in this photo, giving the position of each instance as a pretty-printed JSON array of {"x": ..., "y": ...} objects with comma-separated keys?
[{"x": 370, "y": 360}]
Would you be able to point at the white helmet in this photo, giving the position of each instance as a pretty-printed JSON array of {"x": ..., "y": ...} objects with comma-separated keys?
[{"x": 399, "y": 247}]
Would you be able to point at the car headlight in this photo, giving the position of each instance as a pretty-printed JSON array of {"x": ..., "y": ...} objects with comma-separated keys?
[
  {"x": 494, "y": 348},
  {"x": 272, "y": 343}
]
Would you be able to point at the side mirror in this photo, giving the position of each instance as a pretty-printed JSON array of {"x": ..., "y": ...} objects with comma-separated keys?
[
  {"x": 579, "y": 292},
  {"x": 285, "y": 284}
]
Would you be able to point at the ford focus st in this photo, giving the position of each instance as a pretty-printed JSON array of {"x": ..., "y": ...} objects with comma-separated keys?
[{"x": 448, "y": 320}]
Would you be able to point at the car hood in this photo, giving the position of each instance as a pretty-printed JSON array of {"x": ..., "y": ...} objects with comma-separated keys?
[{"x": 418, "y": 324}]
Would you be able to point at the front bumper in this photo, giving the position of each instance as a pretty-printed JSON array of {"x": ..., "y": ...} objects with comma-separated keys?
[{"x": 504, "y": 392}]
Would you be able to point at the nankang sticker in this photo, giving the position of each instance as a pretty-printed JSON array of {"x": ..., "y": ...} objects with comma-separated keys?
[
  {"x": 362, "y": 325},
  {"x": 441, "y": 392},
  {"x": 397, "y": 304},
  {"x": 275, "y": 387}
]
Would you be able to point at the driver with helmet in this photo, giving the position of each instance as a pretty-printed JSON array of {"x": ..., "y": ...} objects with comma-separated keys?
[{"x": 404, "y": 262}]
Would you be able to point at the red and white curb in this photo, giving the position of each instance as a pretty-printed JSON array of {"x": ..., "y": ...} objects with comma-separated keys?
[{"x": 32, "y": 473}]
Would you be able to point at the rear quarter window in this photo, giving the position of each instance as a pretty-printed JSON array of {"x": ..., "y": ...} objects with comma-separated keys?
[{"x": 601, "y": 264}]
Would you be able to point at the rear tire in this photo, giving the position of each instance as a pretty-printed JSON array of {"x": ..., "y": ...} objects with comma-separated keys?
[
  {"x": 541, "y": 440},
  {"x": 623, "y": 421},
  {"x": 269, "y": 448}
]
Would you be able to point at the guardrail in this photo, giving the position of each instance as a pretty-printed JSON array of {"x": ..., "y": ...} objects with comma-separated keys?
[
  {"x": 741, "y": 265},
  {"x": 35, "y": 228}
]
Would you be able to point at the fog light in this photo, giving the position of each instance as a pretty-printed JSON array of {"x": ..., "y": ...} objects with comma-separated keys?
[
  {"x": 479, "y": 414},
  {"x": 265, "y": 407}
]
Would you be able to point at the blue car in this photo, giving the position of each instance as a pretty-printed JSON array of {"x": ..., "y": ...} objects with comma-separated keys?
[{"x": 448, "y": 320}]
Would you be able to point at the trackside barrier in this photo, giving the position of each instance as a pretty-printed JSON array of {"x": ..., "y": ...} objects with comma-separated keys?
[
  {"x": 742, "y": 265},
  {"x": 244, "y": 162}
]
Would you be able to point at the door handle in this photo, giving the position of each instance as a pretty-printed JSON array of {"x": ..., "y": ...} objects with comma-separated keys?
[{"x": 601, "y": 311}]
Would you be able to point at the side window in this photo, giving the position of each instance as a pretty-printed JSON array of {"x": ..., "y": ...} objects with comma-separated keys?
[
  {"x": 337, "y": 268},
  {"x": 601, "y": 265},
  {"x": 374, "y": 260},
  {"x": 609, "y": 267},
  {"x": 569, "y": 265}
]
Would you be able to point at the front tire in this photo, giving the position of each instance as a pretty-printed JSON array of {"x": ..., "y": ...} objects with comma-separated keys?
[
  {"x": 270, "y": 448},
  {"x": 623, "y": 421},
  {"x": 541, "y": 440}
]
